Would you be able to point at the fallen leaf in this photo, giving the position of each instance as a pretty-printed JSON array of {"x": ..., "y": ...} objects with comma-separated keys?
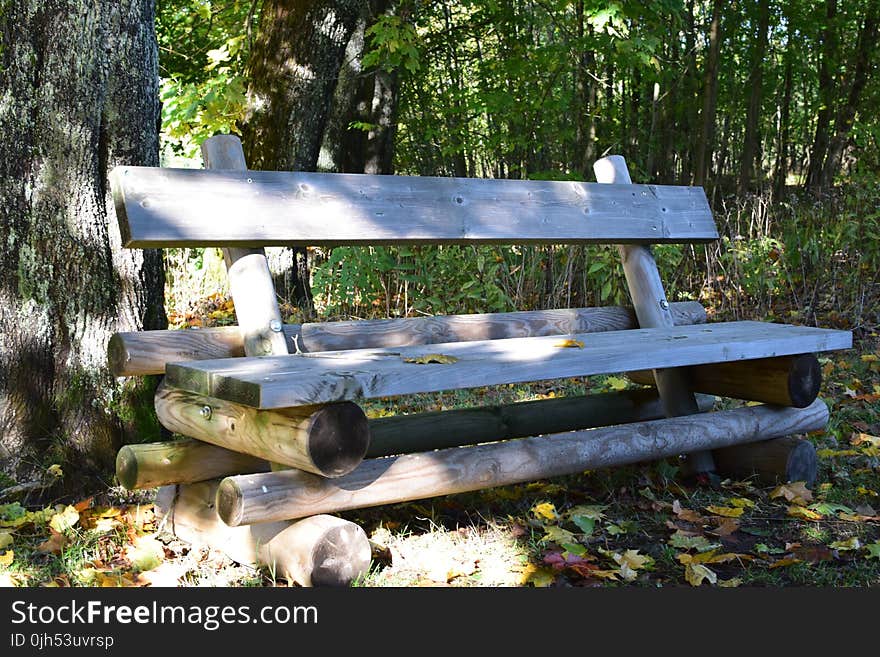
[
  {"x": 829, "y": 508},
  {"x": 633, "y": 560},
  {"x": 55, "y": 470},
  {"x": 696, "y": 573},
  {"x": 616, "y": 383},
  {"x": 763, "y": 548},
  {"x": 145, "y": 553},
  {"x": 605, "y": 574},
  {"x": 545, "y": 510},
  {"x": 83, "y": 504},
  {"x": 787, "y": 561},
  {"x": 726, "y": 511},
  {"x": 733, "y": 582},
  {"x": 55, "y": 544},
  {"x": 585, "y": 524},
  {"x": 593, "y": 511},
  {"x": 873, "y": 550},
  {"x": 65, "y": 519},
  {"x": 5, "y": 540},
  {"x": 813, "y": 553},
  {"x": 685, "y": 542},
  {"x": 796, "y": 493},
  {"x": 558, "y": 535},
  {"x": 849, "y": 544},
  {"x": 568, "y": 344},
  {"x": 686, "y": 514},
  {"x": 726, "y": 528},
  {"x": 536, "y": 576},
  {"x": 7, "y": 557},
  {"x": 741, "y": 503},
  {"x": 442, "y": 359},
  {"x": 862, "y": 438},
  {"x": 803, "y": 513},
  {"x": 713, "y": 557}
]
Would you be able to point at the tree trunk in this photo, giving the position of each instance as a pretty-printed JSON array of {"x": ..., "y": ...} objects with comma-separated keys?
[
  {"x": 80, "y": 96},
  {"x": 782, "y": 149},
  {"x": 861, "y": 63},
  {"x": 754, "y": 94},
  {"x": 293, "y": 72},
  {"x": 703, "y": 154},
  {"x": 827, "y": 89}
]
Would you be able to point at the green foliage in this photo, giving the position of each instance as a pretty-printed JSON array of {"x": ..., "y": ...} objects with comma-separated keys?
[{"x": 393, "y": 45}]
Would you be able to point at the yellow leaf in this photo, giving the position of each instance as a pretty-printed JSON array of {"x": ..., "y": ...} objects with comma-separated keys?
[
  {"x": 787, "y": 561},
  {"x": 64, "y": 520},
  {"x": 536, "y": 576},
  {"x": 5, "y": 540},
  {"x": 632, "y": 559},
  {"x": 145, "y": 553},
  {"x": 741, "y": 503},
  {"x": 569, "y": 344},
  {"x": 558, "y": 535},
  {"x": 861, "y": 438},
  {"x": 55, "y": 470},
  {"x": 733, "y": 582},
  {"x": 545, "y": 510},
  {"x": 861, "y": 490},
  {"x": 616, "y": 383},
  {"x": 442, "y": 359},
  {"x": 726, "y": 511},
  {"x": 849, "y": 544},
  {"x": 795, "y": 492},
  {"x": 803, "y": 513},
  {"x": 7, "y": 557},
  {"x": 869, "y": 358},
  {"x": 696, "y": 573},
  {"x": 605, "y": 574}
]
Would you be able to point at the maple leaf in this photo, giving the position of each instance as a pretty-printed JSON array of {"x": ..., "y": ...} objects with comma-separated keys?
[
  {"x": 558, "y": 535},
  {"x": 64, "y": 520},
  {"x": 873, "y": 550},
  {"x": 442, "y": 359},
  {"x": 726, "y": 528},
  {"x": 545, "y": 510},
  {"x": 862, "y": 438},
  {"x": 616, "y": 383},
  {"x": 726, "y": 511},
  {"x": 7, "y": 557},
  {"x": 696, "y": 574},
  {"x": 633, "y": 560},
  {"x": 828, "y": 508},
  {"x": 536, "y": 576},
  {"x": 683, "y": 541},
  {"x": 803, "y": 513},
  {"x": 569, "y": 344},
  {"x": 787, "y": 561},
  {"x": 849, "y": 544},
  {"x": 55, "y": 470},
  {"x": 5, "y": 540},
  {"x": 813, "y": 553},
  {"x": 741, "y": 503},
  {"x": 713, "y": 557},
  {"x": 686, "y": 514},
  {"x": 796, "y": 493},
  {"x": 592, "y": 511},
  {"x": 145, "y": 553},
  {"x": 55, "y": 544}
]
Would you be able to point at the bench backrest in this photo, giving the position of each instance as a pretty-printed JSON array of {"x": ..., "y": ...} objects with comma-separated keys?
[{"x": 159, "y": 207}]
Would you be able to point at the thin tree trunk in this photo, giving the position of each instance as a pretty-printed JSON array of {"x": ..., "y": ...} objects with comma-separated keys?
[
  {"x": 754, "y": 92},
  {"x": 293, "y": 72},
  {"x": 782, "y": 148},
  {"x": 80, "y": 95},
  {"x": 703, "y": 154},
  {"x": 827, "y": 92}
]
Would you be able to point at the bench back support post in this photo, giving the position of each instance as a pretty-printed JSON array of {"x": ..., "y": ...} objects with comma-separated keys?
[
  {"x": 652, "y": 310},
  {"x": 250, "y": 281}
]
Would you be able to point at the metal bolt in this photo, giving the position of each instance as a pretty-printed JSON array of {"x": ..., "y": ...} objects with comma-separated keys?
[
  {"x": 275, "y": 325},
  {"x": 664, "y": 304},
  {"x": 206, "y": 412}
]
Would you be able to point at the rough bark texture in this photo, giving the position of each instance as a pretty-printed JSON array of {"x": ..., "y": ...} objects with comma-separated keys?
[
  {"x": 293, "y": 69},
  {"x": 754, "y": 91},
  {"x": 706, "y": 136},
  {"x": 78, "y": 96}
]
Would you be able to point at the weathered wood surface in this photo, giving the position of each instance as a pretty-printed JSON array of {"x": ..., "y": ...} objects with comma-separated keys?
[
  {"x": 267, "y": 497},
  {"x": 250, "y": 281},
  {"x": 146, "y": 352},
  {"x": 780, "y": 460},
  {"x": 317, "y": 551},
  {"x": 786, "y": 381},
  {"x": 329, "y": 440},
  {"x": 651, "y": 307},
  {"x": 185, "y": 461},
  {"x": 283, "y": 381},
  {"x": 159, "y": 207}
]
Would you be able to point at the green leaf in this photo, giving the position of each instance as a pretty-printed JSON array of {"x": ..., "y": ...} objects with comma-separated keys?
[
  {"x": 586, "y": 524},
  {"x": 873, "y": 550},
  {"x": 699, "y": 543}
]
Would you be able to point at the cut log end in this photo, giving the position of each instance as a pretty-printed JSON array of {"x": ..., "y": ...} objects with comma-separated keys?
[
  {"x": 771, "y": 462},
  {"x": 339, "y": 438},
  {"x": 804, "y": 380},
  {"x": 342, "y": 557},
  {"x": 127, "y": 468},
  {"x": 802, "y": 464},
  {"x": 117, "y": 355},
  {"x": 230, "y": 502}
]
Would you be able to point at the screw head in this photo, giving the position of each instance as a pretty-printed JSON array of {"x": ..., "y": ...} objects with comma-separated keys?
[
  {"x": 206, "y": 412},
  {"x": 275, "y": 325},
  {"x": 664, "y": 304}
]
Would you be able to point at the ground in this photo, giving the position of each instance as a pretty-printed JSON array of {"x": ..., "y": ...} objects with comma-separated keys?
[{"x": 644, "y": 525}]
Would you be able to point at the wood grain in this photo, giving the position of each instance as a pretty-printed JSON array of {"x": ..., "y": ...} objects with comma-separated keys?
[
  {"x": 267, "y": 497},
  {"x": 159, "y": 207},
  {"x": 317, "y": 551},
  {"x": 139, "y": 353},
  {"x": 786, "y": 381},
  {"x": 283, "y": 381},
  {"x": 770, "y": 462},
  {"x": 329, "y": 440},
  {"x": 185, "y": 461}
]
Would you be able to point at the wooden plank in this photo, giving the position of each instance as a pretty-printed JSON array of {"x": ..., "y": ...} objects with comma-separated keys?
[
  {"x": 266, "y": 497},
  {"x": 139, "y": 353},
  {"x": 279, "y": 381},
  {"x": 651, "y": 307},
  {"x": 159, "y": 207},
  {"x": 186, "y": 461}
]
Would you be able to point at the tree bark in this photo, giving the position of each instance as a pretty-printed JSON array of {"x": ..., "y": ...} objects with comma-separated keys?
[
  {"x": 703, "y": 154},
  {"x": 827, "y": 89},
  {"x": 754, "y": 90},
  {"x": 80, "y": 96},
  {"x": 293, "y": 72},
  {"x": 780, "y": 172}
]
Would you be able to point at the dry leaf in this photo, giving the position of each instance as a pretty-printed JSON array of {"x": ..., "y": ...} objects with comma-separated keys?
[
  {"x": 741, "y": 503},
  {"x": 569, "y": 344},
  {"x": 733, "y": 582},
  {"x": 696, "y": 573},
  {"x": 726, "y": 511},
  {"x": 849, "y": 544},
  {"x": 796, "y": 493},
  {"x": 546, "y": 511},
  {"x": 558, "y": 535},
  {"x": 54, "y": 544},
  {"x": 686, "y": 514},
  {"x": 861, "y": 438},
  {"x": 7, "y": 557},
  {"x": 442, "y": 359},
  {"x": 537, "y": 576},
  {"x": 787, "y": 561},
  {"x": 146, "y": 553},
  {"x": 55, "y": 470},
  {"x": 803, "y": 513},
  {"x": 64, "y": 520},
  {"x": 726, "y": 528},
  {"x": 5, "y": 540}
]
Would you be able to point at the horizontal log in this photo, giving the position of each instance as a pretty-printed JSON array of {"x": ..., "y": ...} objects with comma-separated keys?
[
  {"x": 330, "y": 376},
  {"x": 267, "y": 497},
  {"x": 139, "y": 353},
  {"x": 317, "y": 551},
  {"x": 328, "y": 440},
  {"x": 164, "y": 207},
  {"x": 785, "y": 380},
  {"x": 780, "y": 460},
  {"x": 185, "y": 461}
]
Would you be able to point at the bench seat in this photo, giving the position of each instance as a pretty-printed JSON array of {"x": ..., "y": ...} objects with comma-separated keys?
[{"x": 269, "y": 382}]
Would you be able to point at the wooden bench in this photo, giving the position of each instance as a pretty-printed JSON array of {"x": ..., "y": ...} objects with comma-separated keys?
[{"x": 277, "y": 438}]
